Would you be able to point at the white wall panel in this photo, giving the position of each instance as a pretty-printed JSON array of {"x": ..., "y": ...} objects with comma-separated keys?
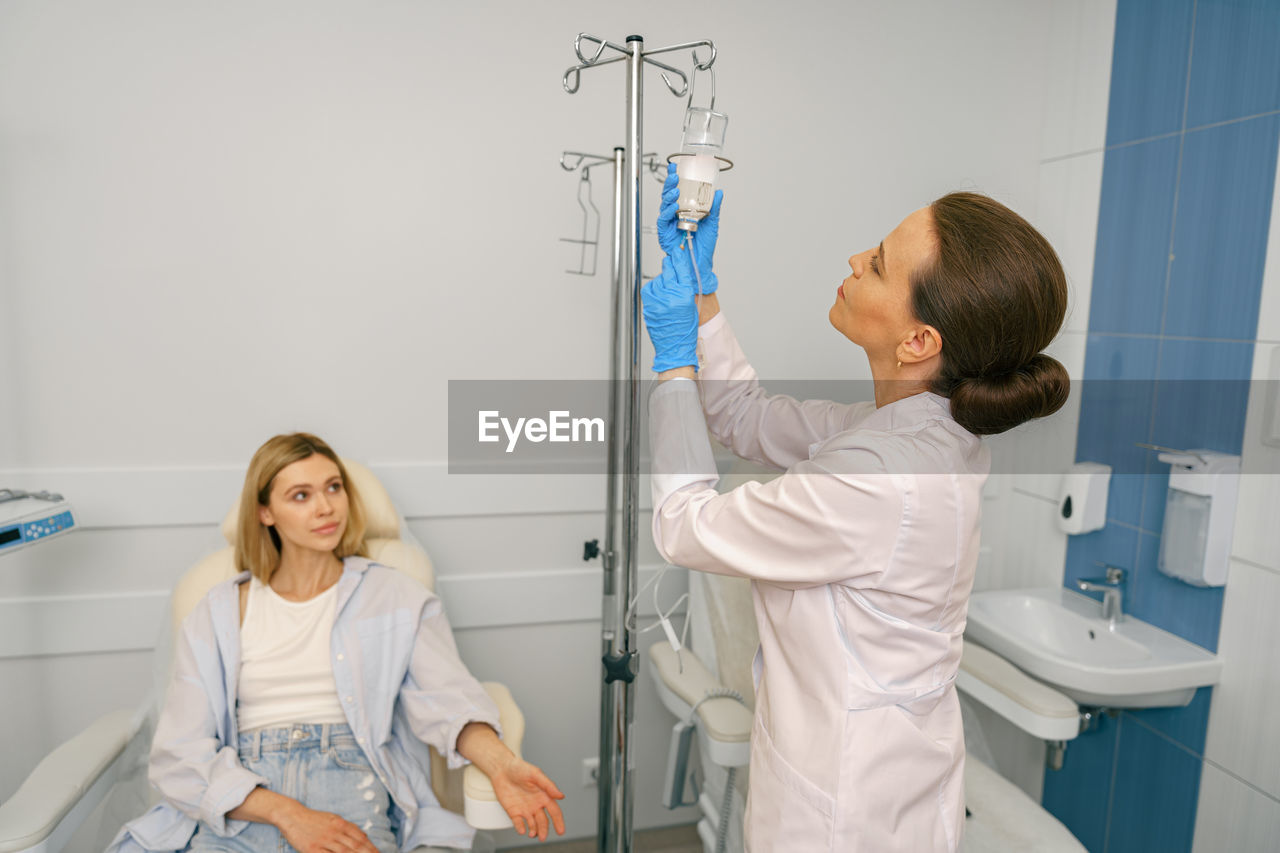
[
  {"x": 366, "y": 203},
  {"x": 1038, "y": 550},
  {"x": 1269, "y": 308},
  {"x": 990, "y": 573},
  {"x": 1255, "y": 537},
  {"x": 1233, "y": 816},
  {"x": 1070, "y": 192},
  {"x": 132, "y": 621},
  {"x": 158, "y": 497},
  {"x": 1078, "y": 84},
  {"x": 1244, "y": 734},
  {"x": 46, "y": 701},
  {"x": 1037, "y": 453}
]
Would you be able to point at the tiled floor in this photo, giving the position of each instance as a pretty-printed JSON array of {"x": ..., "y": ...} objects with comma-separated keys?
[{"x": 676, "y": 839}]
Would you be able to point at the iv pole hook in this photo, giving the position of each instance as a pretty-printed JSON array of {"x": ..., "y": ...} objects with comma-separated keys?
[{"x": 693, "y": 82}]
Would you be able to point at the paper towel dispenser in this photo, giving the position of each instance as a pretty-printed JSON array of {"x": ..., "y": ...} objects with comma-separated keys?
[{"x": 1082, "y": 503}]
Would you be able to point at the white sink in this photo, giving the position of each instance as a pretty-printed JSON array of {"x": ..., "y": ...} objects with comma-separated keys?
[{"x": 1060, "y": 637}]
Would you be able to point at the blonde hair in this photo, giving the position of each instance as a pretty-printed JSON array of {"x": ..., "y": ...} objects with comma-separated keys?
[{"x": 257, "y": 545}]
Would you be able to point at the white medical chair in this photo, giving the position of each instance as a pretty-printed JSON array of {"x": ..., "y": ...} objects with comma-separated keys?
[
  {"x": 75, "y": 778},
  {"x": 722, "y": 641}
]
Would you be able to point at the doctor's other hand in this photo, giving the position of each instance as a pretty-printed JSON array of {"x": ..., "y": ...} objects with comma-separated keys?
[
  {"x": 676, "y": 243},
  {"x": 671, "y": 316},
  {"x": 528, "y": 797}
]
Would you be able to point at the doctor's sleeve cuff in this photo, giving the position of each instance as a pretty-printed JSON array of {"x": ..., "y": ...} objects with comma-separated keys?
[
  {"x": 682, "y": 454},
  {"x": 712, "y": 326}
]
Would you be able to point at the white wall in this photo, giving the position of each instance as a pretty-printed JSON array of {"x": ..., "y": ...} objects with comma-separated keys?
[
  {"x": 1239, "y": 805},
  {"x": 1021, "y": 543},
  {"x": 222, "y": 221}
]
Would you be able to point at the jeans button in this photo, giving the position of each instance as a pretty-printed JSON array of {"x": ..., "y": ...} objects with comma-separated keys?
[{"x": 297, "y": 734}]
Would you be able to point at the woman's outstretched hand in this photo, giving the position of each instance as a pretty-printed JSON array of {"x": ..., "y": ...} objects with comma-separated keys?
[
  {"x": 524, "y": 791},
  {"x": 529, "y": 798}
]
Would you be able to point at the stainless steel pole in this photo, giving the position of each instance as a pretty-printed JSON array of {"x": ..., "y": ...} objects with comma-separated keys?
[
  {"x": 612, "y": 613},
  {"x": 622, "y": 664}
]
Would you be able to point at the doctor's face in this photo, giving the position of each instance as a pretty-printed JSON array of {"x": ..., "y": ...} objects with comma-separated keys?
[
  {"x": 308, "y": 505},
  {"x": 873, "y": 305}
]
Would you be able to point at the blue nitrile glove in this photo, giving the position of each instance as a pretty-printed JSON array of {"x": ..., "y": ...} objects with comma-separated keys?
[
  {"x": 671, "y": 316},
  {"x": 673, "y": 241}
]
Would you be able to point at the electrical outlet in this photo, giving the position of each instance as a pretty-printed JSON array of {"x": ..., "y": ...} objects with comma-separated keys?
[{"x": 590, "y": 772}]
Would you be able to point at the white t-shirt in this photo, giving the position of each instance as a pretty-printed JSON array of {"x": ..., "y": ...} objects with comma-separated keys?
[{"x": 286, "y": 675}]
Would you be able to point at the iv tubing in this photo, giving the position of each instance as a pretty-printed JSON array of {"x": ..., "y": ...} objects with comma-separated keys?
[{"x": 693, "y": 259}]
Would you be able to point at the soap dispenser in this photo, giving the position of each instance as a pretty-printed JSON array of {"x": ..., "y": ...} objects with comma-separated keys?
[{"x": 1199, "y": 516}]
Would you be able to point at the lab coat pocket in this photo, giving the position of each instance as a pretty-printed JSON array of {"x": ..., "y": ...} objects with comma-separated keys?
[{"x": 787, "y": 811}]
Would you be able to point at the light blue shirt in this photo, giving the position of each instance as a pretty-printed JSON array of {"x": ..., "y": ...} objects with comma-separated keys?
[{"x": 400, "y": 682}]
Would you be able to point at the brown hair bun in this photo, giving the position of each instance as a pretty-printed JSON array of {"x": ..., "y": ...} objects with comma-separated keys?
[{"x": 988, "y": 405}]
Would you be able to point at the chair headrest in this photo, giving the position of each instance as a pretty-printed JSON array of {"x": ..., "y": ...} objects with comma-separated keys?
[{"x": 381, "y": 519}]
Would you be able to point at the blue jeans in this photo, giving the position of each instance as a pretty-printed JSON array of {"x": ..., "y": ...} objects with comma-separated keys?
[{"x": 320, "y": 766}]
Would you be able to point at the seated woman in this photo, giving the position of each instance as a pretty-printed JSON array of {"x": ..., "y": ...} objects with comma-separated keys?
[{"x": 305, "y": 689}]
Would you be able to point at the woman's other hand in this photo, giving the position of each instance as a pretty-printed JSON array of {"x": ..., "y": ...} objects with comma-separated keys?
[
  {"x": 311, "y": 831},
  {"x": 306, "y": 830},
  {"x": 674, "y": 241},
  {"x": 529, "y": 797}
]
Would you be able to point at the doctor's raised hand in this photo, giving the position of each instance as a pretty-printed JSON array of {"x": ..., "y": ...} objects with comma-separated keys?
[
  {"x": 685, "y": 252},
  {"x": 672, "y": 306}
]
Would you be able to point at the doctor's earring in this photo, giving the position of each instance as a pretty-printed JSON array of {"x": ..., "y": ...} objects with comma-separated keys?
[{"x": 899, "y": 365}]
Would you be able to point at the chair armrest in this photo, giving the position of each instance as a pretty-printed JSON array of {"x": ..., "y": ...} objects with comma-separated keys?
[
  {"x": 480, "y": 804},
  {"x": 684, "y": 680},
  {"x": 66, "y": 786},
  {"x": 1031, "y": 705}
]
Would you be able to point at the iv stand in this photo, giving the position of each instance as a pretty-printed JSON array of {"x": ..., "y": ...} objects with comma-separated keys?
[{"x": 620, "y": 663}]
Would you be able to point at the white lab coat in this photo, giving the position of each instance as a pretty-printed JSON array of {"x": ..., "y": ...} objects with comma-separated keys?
[{"x": 861, "y": 558}]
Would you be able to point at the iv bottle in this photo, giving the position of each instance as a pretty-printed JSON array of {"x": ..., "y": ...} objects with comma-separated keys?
[{"x": 698, "y": 162}]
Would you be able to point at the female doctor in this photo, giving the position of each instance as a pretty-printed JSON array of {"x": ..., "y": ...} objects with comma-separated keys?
[{"x": 862, "y": 554}]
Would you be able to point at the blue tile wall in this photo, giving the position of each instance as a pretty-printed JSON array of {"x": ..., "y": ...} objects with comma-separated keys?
[
  {"x": 1157, "y": 787},
  {"x": 1187, "y": 726},
  {"x": 1193, "y": 613},
  {"x": 1219, "y": 243},
  {"x": 1202, "y": 394},
  {"x": 1236, "y": 67},
  {"x": 1148, "y": 68},
  {"x": 1118, "y": 393},
  {"x": 1192, "y": 136},
  {"x": 1132, "y": 253}
]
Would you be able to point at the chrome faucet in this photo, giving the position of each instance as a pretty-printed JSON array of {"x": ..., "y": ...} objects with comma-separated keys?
[{"x": 1112, "y": 594}]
